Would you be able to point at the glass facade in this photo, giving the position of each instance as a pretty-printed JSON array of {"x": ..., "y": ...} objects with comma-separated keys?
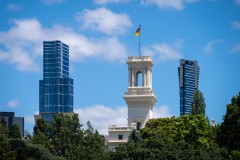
[
  {"x": 188, "y": 74},
  {"x": 56, "y": 88}
]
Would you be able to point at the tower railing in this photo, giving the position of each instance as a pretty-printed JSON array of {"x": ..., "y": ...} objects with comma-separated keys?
[
  {"x": 141, "y": 58},
  {"x": 139, "y": 91}
]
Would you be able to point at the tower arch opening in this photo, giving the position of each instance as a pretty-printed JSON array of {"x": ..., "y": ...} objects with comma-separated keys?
[{"x": 139, "y": 79}]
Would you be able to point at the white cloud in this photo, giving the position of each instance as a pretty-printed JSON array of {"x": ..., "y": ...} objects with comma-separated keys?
[
  {"x": 236, "y": 48},
  {"x": 22, "y": 47},
  {"x": 29, "y": 119},
  {"x": 52, "y": 1},
  {"x": 13, "y": 7},
  {"x": 235, "y": 24},
  {"x": 161, "y": 111},
  {"x": 104, "y": 20},
  {"x": 102, "y": 116},
  {"x": 164, "y": 51},
  {"x": 168, "y": 4},
  {"x": 13, "y": 103},
  {"x": 211, "y": 45},
  {"x": 110, "y": 1},
  {"x": 237, "y": 2}
]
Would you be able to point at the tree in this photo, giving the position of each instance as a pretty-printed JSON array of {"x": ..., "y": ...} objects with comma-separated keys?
[
  {"x": 195, "y": 130},
  {"x": 198, "y": 106},
  {"x": 64, "y": 137},
  {"x": 15, "y": 131},
  {"x": 59, "y": 133},
  {"x": 188, "y": 128},
  {"x": 158, "y": 148},
  {"x": 229, "y": 130},
  {"x": 27, "y": 150},
  {"x": 93, "y": 145},
  {"x": 161, "y": 127},
  {"x": 3, "y": 127},
  {"x": 40, "y": 133},
  {"x": 134, "y": 137},
  {"x": 5, "y": 149}
]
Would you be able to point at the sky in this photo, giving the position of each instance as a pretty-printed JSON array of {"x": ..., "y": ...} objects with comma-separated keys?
[{"x": 100, "y": 34}]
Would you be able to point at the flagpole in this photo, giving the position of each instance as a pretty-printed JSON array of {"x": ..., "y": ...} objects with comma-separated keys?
[
  {"x": 139, "y": 44},
  {"x": 140, "y": 41}
]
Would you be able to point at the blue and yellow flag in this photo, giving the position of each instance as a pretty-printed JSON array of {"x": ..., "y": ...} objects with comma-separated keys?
[{"x": 137, "y": 33}]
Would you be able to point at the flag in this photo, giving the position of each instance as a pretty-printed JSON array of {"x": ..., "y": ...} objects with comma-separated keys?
[{"x": 137, "y": 33}]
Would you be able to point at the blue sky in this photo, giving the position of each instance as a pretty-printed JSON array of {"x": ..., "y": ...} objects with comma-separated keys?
[{"x": 100, "y": 34}]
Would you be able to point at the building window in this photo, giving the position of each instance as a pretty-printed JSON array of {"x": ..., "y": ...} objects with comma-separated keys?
[
  {"x": 138, "y": 126},
  {"x": 120, "y": 137}
]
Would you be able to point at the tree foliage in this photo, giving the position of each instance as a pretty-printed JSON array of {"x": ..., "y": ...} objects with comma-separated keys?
[
  {"x": 199, "y": 105},
  {"x": 64, "y": 137},
  {"x": 5, "y": 149},
  {"x": 135, "y": 137},
  {"x": 27, "y": 150},
  {"x": 3, "y": 127},
  {"x": 15, "y": 131},
  {"x": 158, "y": 148},
  {"x": 188, "y": 128},
  {"x": 228, "y": 135},
  {"x": 40, "y": 133}
]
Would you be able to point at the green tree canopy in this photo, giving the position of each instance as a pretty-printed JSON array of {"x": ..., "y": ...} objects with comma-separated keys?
[
  {"x": 40, "y": 133},
  {"x": 199, "y": 105},
  {"x": 15, "y": 131},
  {"x": 229, "y": 132},
  {"x": 65, "y": 137},
  {"x": 188, "y": 128},
  {"x": 134, "y": 137},
  {"x": 5, "y": 149}
]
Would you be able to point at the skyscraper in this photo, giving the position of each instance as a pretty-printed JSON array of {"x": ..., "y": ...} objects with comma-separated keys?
[
  {"x": 56, "y": 88},
  {"x": 188, "y": 74}
]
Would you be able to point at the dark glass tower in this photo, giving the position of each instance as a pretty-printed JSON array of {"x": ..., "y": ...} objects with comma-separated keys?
[
  {"x": 188, "y": 74},
  {"x": 56, "y": 88}
]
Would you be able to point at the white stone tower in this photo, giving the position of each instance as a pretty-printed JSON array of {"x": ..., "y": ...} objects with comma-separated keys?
[{"x": 140, "y": 97}]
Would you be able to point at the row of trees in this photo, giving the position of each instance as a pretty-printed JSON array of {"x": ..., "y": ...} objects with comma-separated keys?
[
  {"x": 186, "y": 137},
  {"x": 175, "y": 138},
  {"x": 64, "y": 138}
]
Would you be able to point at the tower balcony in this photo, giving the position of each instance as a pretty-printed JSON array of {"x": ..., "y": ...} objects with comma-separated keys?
[
  {"x": 139, "y": 91},
  {"x": 139, "y": 58},
  {"x": 114, "y": 127}
]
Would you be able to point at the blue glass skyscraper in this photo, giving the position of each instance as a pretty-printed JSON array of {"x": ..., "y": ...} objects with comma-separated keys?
[
  {"x": 56, "y": 88},
  {"x": 188, "y": 74}
]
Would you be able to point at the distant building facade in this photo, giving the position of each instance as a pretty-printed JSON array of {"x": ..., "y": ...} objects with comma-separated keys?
[
  {"x": 11, "y": 119},
  {"x": 188, "y": 75},
  {"x": 140, "y": 99},
  {"x": 56, "y": 88}
]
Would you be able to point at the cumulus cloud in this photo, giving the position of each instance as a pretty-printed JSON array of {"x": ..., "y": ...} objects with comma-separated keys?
[
  {"x": 13, "y": 7},
  {"x": 161, "y": 111},
  {"x": 236, "y": 48},
  {"x": 29, "y": 119},
  {"x": 109, "y": 1},
  {"x": 104, "y": 20},
  {"x": 102, "y": 116},
  {"x": 237, "y": 2},
  {"x": 52, "y": 1},
  {"x": 13, "y": 103},
  {"x": 168, "y": 4},
  {"x": 164, "y": 51},
  {"x": 22, "y": 47},
  {"x": 235, "y": 25},
  {"x": 211, "y": 45}
]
